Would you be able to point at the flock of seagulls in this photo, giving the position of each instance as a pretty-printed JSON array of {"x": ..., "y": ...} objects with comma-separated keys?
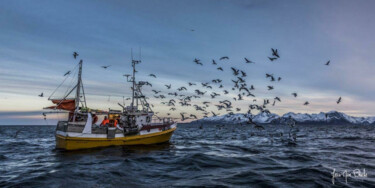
[
  {"x": 238, "y": 91},
  {"x": 175, "y": 100}
]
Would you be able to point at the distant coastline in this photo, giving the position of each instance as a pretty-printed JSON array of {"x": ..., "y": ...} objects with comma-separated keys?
[{"x": 332, "y": 117}]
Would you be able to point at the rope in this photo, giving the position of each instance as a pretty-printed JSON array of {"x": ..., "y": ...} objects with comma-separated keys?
[
  {"x": 71, "y": 83},
  {"x": 62, "y": 83}
]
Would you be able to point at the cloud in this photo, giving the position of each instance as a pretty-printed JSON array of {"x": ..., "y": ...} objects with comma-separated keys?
[{"x": 37, "y": 41}]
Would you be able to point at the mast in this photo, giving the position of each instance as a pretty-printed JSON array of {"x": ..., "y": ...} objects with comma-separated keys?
[
  {"x": 133, "y": 81},
  {"x": 137, "y": 95},
  {"x": 78, "y": 92}
]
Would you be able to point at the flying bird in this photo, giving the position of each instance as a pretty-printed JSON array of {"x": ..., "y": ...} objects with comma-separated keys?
[
  {"x": 105, "y": 67},
  {"x": 235, "y": 71},
  {"x": 214, "y": 62},
  {"x": 294, "y": 94},
  {"x": 156, "y": 92},
  {"x": 248, "y": 61},
  {"x": 220, "y": 69},
  {"x": 225, "y": 57},
  {"x": 275, "y": 53},
  {"x": 306, "y": 103},
  {"x": 152, "y": 75},
  {"x": 338, "y": 101},
  {"x": 41, "y": 95},
  {"x": 197, "y": 61},
  {"x": 328, "y": 63},
  {"x": 75, "y": 54},
  {"x": 182, "y": 117},
  {"x": 272, "y": 58}
]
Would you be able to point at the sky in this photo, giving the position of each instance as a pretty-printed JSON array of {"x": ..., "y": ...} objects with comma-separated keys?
[{"x": 37, "y": 39}]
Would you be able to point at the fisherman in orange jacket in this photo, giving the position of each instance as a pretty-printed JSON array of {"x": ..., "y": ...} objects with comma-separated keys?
[
  {"x": 115, "y": 124},
  {"x": 105, "y": 121}
]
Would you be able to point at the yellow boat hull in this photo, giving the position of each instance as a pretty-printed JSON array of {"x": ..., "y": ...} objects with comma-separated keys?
[{"x": 76, "y": 143}]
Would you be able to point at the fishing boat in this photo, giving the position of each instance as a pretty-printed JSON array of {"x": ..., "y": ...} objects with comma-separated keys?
[{"x": 133, "y": 125}]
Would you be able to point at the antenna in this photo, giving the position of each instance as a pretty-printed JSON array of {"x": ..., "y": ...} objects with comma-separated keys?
[{"x": 131, "y": 53}]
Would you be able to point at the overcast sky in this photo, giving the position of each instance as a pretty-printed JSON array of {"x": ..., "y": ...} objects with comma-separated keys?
[{"x": 37, "y": 39}]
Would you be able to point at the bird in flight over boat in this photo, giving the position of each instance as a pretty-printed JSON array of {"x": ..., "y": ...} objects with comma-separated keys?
[
  {"x": 338, "y": 101},
  {"x": 75, "y": 54},
  {"x": 197, "y": 61},
  {"x": 105, "y": 67},
  {"x": 41, "y": 95},
  {"x": 275, "y": 53},
  {"x": 225, "y": 57},
  {"x": 248, "y": 61},
  {"x": 272, "y": 58}
]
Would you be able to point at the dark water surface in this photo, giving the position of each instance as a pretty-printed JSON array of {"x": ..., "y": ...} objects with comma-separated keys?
[{"x": 226, "y": 156}]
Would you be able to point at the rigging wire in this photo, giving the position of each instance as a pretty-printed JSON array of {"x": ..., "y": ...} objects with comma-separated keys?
[
  {"x": 71, "y": 83},
  {"x": 61, "y": 83}
]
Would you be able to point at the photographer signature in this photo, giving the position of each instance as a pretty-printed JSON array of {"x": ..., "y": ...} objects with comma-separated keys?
[{"x": 353, "y": 174}]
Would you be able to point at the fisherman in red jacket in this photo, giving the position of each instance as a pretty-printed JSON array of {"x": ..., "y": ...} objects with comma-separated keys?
[{"x": 105, "y": 121}]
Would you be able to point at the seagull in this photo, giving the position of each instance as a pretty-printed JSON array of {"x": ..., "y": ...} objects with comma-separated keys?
[
  {"x": 235, "y": 71},
  {"x": 306, "y": 103},
  {"x": 197, "y": 61},
  {"x": 248, "y": 61},
  {"x": 156, "y": 92},
  {"x": 75, "y": 54},
  {"x": 152, "y": 75},
  {"x": 168, "y": 86},
  {"x": 274, "y": 53},
  {"x": 328, "y": 63},
  {"x": 220, "y": 68},
  {"x": 339, "y": 100},
  {"x": 67, "y": 73},
  {"x": 270, "y": 87},
  {"x": 214, "y": 62},
  {"x": 269, "y": 75},
  {"x": 272, "y": 58},
  {"x": 105, "y": 67},
  {"x": 182, "y": 117},
  {"x": 294, "y": 94},
  {"x": 278, "y": 79},
  {"x": 193, "y": 116},
  {"x": 225, "y": 57},
  {"x": 41, "y": 95}
]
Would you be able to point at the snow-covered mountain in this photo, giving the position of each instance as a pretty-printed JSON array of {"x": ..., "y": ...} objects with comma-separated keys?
[{"x": 332, "y": 117}]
